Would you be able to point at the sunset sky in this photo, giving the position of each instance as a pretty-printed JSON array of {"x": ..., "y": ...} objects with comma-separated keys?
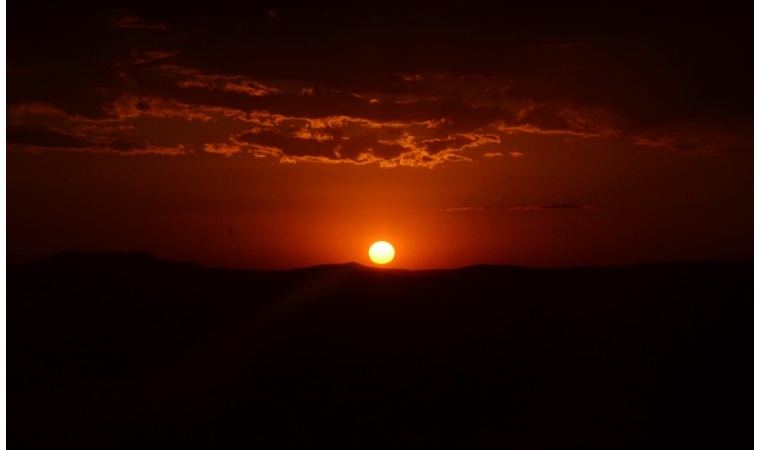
[{"x": 269, "y": 136}]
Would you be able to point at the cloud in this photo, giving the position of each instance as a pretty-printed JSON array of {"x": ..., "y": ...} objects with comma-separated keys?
[
  {"x": 458, "y": 142},
  {"x": 297, "y": 145},
  {"x": 553, "y": 207},
  {"x": 367, "y": 145},
  {"x": 143, "y": 149},
  {"x": 314, "y": 97},
  {"x": 129, "y": 106},
  {"x": 222, "y": 149},
  {"x": 704, "y": 138},
  {"x": 151, "y": 56},
  {"x": 105, "y": 140},
  {"x": 244, "y": 94},
  {"x": 33, "y": 109},
  {"x": 121, "y": 18},
  {"x": 193, "y": 78},
  {"x": 43, "y": 138},
  {"x": 554, "y": 119},
  {"x": 574, "y": 121},
  {"x": 467, "y": 209},
  {"x": 303, "y": 145},
  {"x": 562, "y": 206}
]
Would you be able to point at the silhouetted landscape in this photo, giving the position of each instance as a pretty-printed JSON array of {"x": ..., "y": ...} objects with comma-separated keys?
[{"x": 109, "y": 350}]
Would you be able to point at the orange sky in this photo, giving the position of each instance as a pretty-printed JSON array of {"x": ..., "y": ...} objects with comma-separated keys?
[{"x": 253, "y": 141}]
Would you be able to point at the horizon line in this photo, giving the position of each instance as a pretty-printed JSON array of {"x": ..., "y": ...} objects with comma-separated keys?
[{"x": 371, "y": 267}]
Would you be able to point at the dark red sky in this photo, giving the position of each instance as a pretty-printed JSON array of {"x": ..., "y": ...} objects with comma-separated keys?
[{"x": 273, "y": 136}]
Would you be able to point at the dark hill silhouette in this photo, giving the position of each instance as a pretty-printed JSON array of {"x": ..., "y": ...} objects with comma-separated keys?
[{"x": 110, "y": 350}]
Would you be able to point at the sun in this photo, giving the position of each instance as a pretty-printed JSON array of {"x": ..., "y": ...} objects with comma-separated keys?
[{"x": 381, "y": 252}]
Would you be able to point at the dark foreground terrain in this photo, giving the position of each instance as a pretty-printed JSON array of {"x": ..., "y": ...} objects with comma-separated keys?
[{"x": 126, "y": 351}]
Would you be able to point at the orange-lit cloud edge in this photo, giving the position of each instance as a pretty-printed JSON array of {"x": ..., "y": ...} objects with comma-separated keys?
[{"x": 304, "y": 122}]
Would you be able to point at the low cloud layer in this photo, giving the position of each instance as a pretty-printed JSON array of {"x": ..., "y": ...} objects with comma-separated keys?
[{"x": 554, "y": 207}]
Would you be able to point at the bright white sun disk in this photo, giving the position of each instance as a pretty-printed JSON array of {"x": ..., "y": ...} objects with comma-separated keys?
[{"x": 381, "y": 252}]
